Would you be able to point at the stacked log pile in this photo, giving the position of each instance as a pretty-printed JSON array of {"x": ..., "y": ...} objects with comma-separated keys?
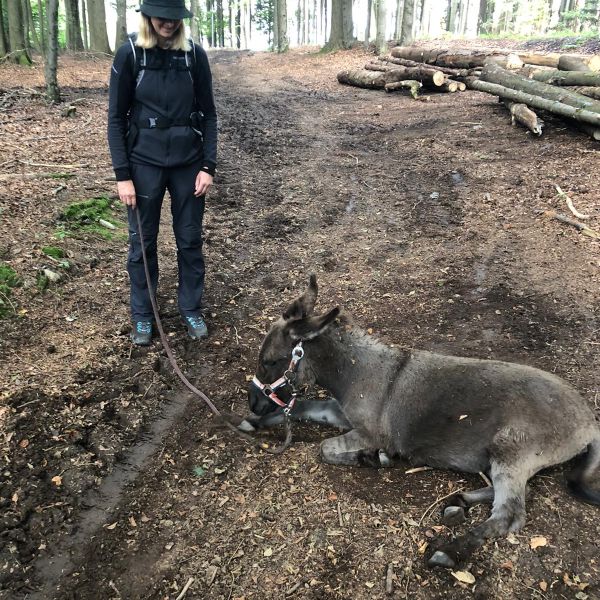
[{"x": 567, "y": 85}]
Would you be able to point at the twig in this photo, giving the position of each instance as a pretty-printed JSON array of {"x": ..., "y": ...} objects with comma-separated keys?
[
  {"x": 186, "y": 587},
  {"x": 296, "y": 586},
  {"x": 432, "y": 506},
  {"x": 115, "y": 588},
  {"x": 570, "y": 204},
  {"x": 417, "y": 470},
  {"x": 340, "y": 517},
  {"x": 351, "y": 156},
  {"x": 485, "y": 478},
  {"x": 389, "y": 579},
  {"x": 580, "y": 226},
  {"x": 7, "y": 299}
]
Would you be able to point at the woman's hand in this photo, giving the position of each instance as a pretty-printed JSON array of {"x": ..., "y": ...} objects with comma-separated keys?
[
  {"x": 203, "y": 183},
  {"x": 126, "y": 192}
]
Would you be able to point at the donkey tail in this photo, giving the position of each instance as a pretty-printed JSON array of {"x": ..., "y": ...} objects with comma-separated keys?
[{"x": 578, "y": 480}]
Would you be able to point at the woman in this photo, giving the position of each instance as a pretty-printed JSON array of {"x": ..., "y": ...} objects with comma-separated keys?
[{"x": 162, "y": 134}]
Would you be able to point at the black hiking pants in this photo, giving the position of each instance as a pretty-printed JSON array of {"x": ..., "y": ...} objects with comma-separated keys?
[{"x": 188, "y": 212}]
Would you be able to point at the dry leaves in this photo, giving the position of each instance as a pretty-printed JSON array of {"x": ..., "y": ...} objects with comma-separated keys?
[
  {"x": 537, "y": 541},
  {"x": 464, "y": 577}
]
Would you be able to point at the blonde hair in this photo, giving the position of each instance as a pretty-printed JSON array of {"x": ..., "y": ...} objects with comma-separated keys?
[{"x": 147, "y": 38}]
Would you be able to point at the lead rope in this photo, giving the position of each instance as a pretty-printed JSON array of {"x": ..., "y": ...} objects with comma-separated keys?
[{"x": 163, "y": 338}]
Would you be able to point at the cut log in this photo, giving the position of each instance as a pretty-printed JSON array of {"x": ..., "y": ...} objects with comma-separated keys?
[
  {"x": 424, "y": 73},
  {"x": 458, "y": 59},
  {"x": 366, "y": 79},
  {"x": 553, "y": 106},
  {"x": 590, "y": 92},
  {"x": 461, "y": 85},
  {"x": 558, "y": 77},
  {"x": 593, "y": 132},
  {"x": 410, "y": 84},
  {"x": 579, "y": 62},
  {"x": 448, "y": 86},
  {"x": 411, "y": 63},
  {"x": 542, "y": 60},
  {"x": 494, "y": 74},
  {"x": 521, "y": 113}
]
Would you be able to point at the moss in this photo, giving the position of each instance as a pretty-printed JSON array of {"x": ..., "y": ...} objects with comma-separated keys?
[
  {"x": 8, "y": 280},
  {"x": 53, "y": 252},
  {"x": 84, "y": 216}
]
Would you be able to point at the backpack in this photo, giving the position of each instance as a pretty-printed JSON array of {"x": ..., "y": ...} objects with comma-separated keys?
[{"x": 139, "y": 59}]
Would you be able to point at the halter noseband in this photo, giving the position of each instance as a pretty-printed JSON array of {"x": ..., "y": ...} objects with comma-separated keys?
[{"x": 288, "y": 378}]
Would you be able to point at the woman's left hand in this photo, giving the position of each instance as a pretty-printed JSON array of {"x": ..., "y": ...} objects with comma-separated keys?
[{"x": 203, "y": 183}]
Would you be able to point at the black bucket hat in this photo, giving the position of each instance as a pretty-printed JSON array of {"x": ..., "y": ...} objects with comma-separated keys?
[{"x": 173, "y": 10}]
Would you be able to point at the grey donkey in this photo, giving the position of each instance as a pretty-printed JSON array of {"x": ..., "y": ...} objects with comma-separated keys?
[{"x": 504, "y": 419}]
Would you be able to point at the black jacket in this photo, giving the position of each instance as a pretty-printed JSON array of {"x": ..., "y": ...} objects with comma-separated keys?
[{"x": 166, "y": 89}]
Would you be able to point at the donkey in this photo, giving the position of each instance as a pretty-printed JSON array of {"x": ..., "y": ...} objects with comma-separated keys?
[{"x": 505, "y": 419}]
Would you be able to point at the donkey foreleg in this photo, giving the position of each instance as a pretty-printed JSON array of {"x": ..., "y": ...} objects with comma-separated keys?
[
  {"x": 508, "y": 514},
  {"x": 457, "y": 505},
  {"x": 353, "y": 449},
  {"x": 326, "y": 412}
]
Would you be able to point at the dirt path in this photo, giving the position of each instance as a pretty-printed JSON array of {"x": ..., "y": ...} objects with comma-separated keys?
[{"x": 418, "y": 218}]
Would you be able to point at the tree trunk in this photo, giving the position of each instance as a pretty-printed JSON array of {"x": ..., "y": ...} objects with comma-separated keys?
[
  {"x": 35, "y": 40},
  {"x": 368, "y": 25},
  {"x": 408, "y": 15},
  {"x": 398, "y": 20},
  {"x": 369, "y": 79},
  {"x": 426, "y": 74},
  {"x": 458, "y": 59},
  {"x": 220, "y": 25},
  {"x": 542, "y": 60},
  {"x": 84, "y": 24},
  {"x": 411, "y": 63},
  {"x": 16, "y": 33},
  {"x": 553, "y": 106},
  {"x": 121, "y": 32},
  {"x": 340, "y": 35},
  {"x": 4, "y": 48},
  {"x": 579, "y": 62},
  {"x": 557, "y": 77},
  {"x": 196, "y": 22},
  {"x": 281, "y": 41},
  {"x": 43, "y": 26},
  {"x": 97, "y": 19},
  {"x": 494, "y": 74},
  {"x": 50, "y": 68},
  {"x": 452, "y": 10},
  {"x": 590, "y": 92},
  {"x": 73, "y": 25},
  {"x": 380, "y": 22},
  {"x": 410, "y": 84}
]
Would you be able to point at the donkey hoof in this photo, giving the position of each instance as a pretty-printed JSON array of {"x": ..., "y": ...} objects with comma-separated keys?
[
  {"x": 440, "y": 559},
  {"x": 384, "y": 459},
  {"x": 453, "y": 515},
  {"x": 246, "y": 426}
]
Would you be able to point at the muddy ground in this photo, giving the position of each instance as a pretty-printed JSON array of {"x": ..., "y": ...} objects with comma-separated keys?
[{"x": 418, "y": 218}]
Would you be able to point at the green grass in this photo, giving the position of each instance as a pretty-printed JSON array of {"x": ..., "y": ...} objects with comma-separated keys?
[
  {"x": 53, "y": 252},
  {"x": 8, "y": 280},
  {"x": 84, "y": 217}
]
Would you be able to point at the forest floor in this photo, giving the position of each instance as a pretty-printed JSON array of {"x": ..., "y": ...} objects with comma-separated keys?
[{"x": 420, "y": 219}]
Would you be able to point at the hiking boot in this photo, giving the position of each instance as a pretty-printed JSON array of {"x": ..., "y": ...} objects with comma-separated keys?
[
  {"x": 196, "y": 327},
  {"x": 141, "y": 334}
]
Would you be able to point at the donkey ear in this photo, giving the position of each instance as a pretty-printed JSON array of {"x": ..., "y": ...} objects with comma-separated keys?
[
  {"x": 303, "y": 307},
  {"x": 307, "y": 329}
]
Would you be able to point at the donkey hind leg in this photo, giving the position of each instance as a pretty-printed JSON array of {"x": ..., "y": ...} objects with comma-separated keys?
[
  {"x": 508, "y": 514},
  {"x": 353, "y": 449},
  {"x": 584, "y": 473},
  {"x": 457, "y": 505},
  {"x": 327, "y": 412}
]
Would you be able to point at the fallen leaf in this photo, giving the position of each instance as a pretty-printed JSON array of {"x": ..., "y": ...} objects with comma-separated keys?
[
  {"x": 57, "y": 480},
  {"x": 543, "y": 586},
  {"x": 511, "y": 538},
  {"x": 24, "y": 443},
  {"x": 537, "y": 541},
  {"x": 111, "y": 526},
  {"x": 169, "y": 545},
  {"x": 462, "y": 417},
  {"x": 508, "y": 565},
  {"x": 132, "y": 522},
  {"x": 464, "y": 576},
  {"x": 268, "y": 552}
]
